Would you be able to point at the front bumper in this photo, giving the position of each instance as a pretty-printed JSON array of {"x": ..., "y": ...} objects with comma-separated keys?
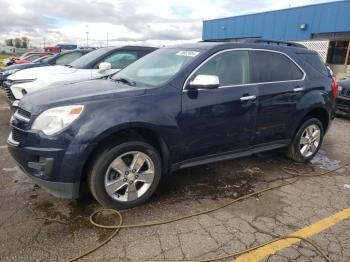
[
  {"x": 343, "y": 104},
  {"x": 44, "y": 166}
]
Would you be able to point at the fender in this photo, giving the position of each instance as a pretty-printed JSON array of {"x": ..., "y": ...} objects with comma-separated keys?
[
  {"x": 119, "y": 115},
  {"x": 311, "y": 100}
]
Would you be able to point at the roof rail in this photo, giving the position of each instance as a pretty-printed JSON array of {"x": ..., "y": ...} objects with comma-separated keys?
[{"x": 276, "y": 42}]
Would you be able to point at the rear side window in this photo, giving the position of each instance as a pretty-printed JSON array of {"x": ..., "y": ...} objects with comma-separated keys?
[
  {"x": 232, "y": 68},
  {"x": 272, "y": 67},
  {"x": 316, "y": 62}
]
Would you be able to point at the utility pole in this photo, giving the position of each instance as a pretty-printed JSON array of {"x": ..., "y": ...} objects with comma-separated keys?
[{"x": 87, "y": 36}]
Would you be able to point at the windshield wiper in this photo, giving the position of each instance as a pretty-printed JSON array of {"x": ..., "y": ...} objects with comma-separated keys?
[
  {"x": 68, "y": 66},
  {"x": 126, "y": 81}
]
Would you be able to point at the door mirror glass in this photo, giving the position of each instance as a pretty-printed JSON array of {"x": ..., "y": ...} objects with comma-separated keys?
[
  {"x": 204, "y": 82},
  {"x": 103, "y": 67}
]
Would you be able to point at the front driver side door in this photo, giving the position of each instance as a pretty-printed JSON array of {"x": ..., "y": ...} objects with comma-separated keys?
[{"x": 223, "y": 119}]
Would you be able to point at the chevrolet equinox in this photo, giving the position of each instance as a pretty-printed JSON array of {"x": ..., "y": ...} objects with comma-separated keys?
[{"x": 175, "y": 108}]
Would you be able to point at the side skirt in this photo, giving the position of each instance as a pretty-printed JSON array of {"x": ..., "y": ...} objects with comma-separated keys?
[{"x": 229, "y": 155}]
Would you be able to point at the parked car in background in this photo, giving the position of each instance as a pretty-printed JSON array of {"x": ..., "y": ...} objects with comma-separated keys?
[
  {"x": 343, "y": 99},
  {"x": 99, "y": 63},
  {"x": 30, "y": 58},
  {"x": 63, "y": 58},
  {"x": 177, "y": 107},
  {"x": 41, "y": 58},
  {"x": 24, "y": 58}
]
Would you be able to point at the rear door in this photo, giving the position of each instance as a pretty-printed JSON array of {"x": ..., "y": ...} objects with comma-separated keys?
[
  {"x": 280, "y": 86},
  {"x": 222, "y": 119}
]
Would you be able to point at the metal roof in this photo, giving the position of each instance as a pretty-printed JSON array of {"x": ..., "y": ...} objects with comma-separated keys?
[{"x": 298, "y": 23}]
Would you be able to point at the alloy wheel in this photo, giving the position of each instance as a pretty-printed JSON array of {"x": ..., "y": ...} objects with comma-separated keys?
[
  {"x": 310, "y": 140},
  {"x": 129, "y": 176}
]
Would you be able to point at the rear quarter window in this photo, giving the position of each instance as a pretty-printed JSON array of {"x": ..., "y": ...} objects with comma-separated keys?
[
  {"x": 273, "y": 67},
  {"x": 316, "y": 62}
]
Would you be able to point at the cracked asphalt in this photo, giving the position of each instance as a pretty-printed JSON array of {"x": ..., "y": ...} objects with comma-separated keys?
[{"x": 35, "y": 226}]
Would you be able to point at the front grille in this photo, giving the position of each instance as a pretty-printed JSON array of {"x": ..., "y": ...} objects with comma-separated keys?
[
  {"x": 17, "y": 135},
  {"x": 23, "y": 112},
  {"x": 8, "y": 91},
  {"x": 345, "y": 92}
]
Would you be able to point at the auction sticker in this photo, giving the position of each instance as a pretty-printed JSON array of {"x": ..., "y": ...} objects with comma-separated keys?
[{"x": 187, "y": 53}]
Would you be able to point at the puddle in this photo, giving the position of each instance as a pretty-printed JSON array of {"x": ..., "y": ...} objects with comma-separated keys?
[
  {"x": 221, "y": 180},
  {"x": 321, "y": 160}
]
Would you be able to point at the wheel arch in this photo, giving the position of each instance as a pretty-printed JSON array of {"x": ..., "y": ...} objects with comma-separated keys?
[
  {"x": 320, "y": 113},
  {"x": 139, "y": 133}
]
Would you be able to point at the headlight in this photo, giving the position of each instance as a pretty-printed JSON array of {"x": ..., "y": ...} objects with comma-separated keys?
[
  {"x": 10, "y": 72},
  {"x": 54, "y": 120}
]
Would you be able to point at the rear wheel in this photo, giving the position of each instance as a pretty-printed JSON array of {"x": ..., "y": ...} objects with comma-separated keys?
[
  {"x": 125, "y": 175},
  {"x": 307, "y": 141}
]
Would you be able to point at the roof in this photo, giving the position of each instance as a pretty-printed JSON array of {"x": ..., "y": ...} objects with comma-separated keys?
[
  {"x": 279, "y": 10},
  {"x": 232, "y": 45}
]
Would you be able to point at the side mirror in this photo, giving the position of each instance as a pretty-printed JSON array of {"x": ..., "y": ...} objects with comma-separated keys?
[
  {"x": 204, "y": 82},
  {"x": 103, "y": 67}
]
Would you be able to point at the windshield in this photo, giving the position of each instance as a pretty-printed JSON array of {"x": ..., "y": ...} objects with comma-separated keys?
[
  {"x": 88, "y": 58},
  {"x": 158, "y": 67},
  {"x": 50, "y": 58},
  {"x": 40, "y": 59}
]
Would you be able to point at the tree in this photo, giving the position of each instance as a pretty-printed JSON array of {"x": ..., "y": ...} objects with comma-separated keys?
[
  {"x": 25, "y": 42},
  {"x": 9, "y": 42},
  {"x": 18, "y": 42}
]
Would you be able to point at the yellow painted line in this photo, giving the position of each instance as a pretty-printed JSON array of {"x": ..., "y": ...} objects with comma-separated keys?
[
  {"x": 270, "y": 249},
  {"x": 3, "y": 147}
]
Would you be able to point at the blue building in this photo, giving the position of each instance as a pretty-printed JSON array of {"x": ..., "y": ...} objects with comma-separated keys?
[{"x": 328, "y": 21}]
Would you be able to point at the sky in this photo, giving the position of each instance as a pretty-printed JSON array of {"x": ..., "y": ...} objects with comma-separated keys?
[{"x": 152, "y": 22}]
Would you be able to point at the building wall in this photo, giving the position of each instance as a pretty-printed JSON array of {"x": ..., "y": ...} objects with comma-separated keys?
[{"x": 282, "y": 24}]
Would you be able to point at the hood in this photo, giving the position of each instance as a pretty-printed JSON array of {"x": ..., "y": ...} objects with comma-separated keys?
[
  {"x": 344, "y": 82},
  {"x": 78, "y": 93},
  {"x": 21, "y": 66},
  {"x": 52, "y": 79},
  {"x": 42, "y": 72}
]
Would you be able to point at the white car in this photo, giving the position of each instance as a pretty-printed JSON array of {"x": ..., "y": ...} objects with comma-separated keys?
[{"x": 99, "y": 63}]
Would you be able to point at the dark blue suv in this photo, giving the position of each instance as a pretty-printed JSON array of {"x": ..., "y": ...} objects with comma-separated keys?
[{"x": 175, "y": 108}]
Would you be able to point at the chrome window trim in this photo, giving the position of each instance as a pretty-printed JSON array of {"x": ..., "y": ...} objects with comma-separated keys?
[{"x": 245, "y": 49}]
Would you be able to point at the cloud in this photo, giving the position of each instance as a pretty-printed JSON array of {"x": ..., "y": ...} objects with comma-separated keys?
[{"x": 157, "y": 22}]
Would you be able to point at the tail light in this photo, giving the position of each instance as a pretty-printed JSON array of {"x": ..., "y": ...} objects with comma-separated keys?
[{"x": 335, "y": 86}]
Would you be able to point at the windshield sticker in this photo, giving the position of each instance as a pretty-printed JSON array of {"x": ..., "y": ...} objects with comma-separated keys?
[{"x": 187, "y": 53}]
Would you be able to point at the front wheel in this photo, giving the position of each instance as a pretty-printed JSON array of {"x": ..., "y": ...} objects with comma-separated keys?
[
  {"x": 307, "y": 141},
  {"x": 125, "y": 175}
]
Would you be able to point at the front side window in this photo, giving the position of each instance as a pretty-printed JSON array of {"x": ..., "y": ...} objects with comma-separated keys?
[
  {"x": 121, "y": 59},
  {"x": 232, "y": 68},
  {"x": 68, "y": 58},
  {"x": 158, "y": 67},
  {"x": 273, "y": 67}
]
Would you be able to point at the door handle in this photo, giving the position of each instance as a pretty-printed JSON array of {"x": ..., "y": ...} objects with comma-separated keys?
[
  {"x": 246, "y": 98},
  {"x": 298, "y": 89}
]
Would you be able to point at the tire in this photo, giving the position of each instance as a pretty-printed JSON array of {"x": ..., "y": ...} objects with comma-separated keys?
[
  {"x": 116, "y": 165},
  {"x": 295, "y": 149}
]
